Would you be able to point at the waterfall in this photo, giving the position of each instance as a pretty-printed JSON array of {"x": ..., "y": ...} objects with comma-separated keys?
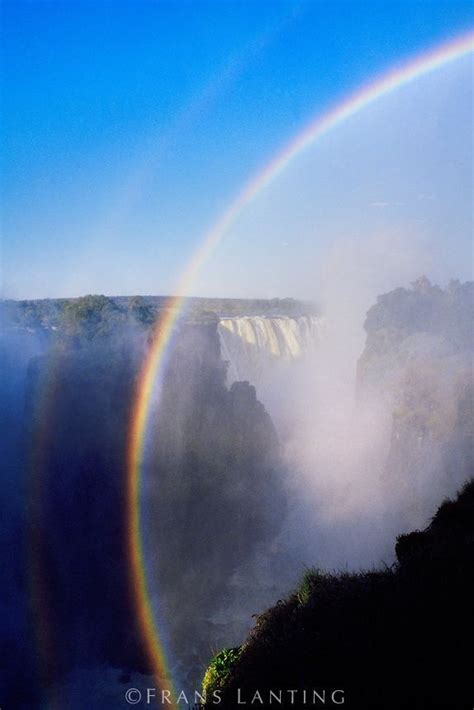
[{"x": 254, "y": 346}]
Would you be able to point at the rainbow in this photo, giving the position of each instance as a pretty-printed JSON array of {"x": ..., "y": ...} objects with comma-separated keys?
[{"x": 152, "y": 371}]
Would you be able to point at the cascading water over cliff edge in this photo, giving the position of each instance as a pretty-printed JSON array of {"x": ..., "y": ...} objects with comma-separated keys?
[{"x": 254, "y": 346}]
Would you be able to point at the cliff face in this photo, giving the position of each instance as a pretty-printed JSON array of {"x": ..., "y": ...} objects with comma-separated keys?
[
  {"x": 215, "y": 496},
  {"x": 390, "y": 639},
  {"x": 393, "y": 638},
  {"x": 418, "y": 360},
  {"x": 212, "y": 457}
]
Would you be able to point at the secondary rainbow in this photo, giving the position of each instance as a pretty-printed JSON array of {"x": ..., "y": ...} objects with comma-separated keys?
[{"x": 152, "y": 370}]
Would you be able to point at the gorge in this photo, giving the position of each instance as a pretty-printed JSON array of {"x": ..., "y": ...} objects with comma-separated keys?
[{"x": 263, "y": 462}]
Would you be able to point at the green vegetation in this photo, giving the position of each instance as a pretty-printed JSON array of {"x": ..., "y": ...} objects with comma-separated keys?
[
  {"x": 390, "y": 639},
  {"x": 312, "y": 578},
  {"x": 97, "y": 315},
  {"x": 219, "y": 670}
]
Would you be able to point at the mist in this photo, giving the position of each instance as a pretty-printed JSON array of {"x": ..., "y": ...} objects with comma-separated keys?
[
  {"x": 347, "y": 499},
  {"x": 329, "y": 445},
  {"x": 337, "y": 436}
]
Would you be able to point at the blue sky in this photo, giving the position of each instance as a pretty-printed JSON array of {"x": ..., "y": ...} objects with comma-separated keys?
[{"x": 129, "y": 126}]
